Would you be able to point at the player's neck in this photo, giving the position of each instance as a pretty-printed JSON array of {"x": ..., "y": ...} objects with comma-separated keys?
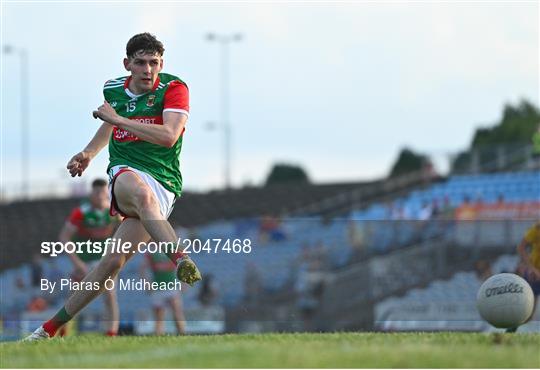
[{"x": 135, "y": 91}]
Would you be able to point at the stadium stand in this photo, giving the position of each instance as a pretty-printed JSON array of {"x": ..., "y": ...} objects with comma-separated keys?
[
  {"x": 297, "y": 248},
  {"x": 488, "y": 188}
]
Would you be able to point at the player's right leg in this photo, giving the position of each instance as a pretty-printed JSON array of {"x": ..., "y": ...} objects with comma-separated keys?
[
  {"x": 134, "y": 197},
  {"x": 159, "y": 312},
  {"x": 113, "y": 312},
  {"x": 131, "y": 230},
  {"x": 178, "y": 314}
]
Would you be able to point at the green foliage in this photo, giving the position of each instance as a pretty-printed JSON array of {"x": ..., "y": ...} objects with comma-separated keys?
[
  {"x": 515, "y": 129},
  {"x": 408, "y": 161},
  {"x": 282, "y": 173}
]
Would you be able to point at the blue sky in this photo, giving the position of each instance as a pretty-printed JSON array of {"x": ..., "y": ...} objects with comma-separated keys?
[{"x": 336, "y": 87}]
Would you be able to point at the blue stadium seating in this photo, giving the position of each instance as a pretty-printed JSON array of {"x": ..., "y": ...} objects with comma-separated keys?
[{"x": 276, "y": 260}]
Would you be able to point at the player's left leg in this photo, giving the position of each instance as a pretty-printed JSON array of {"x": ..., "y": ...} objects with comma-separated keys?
[
  {"x": 131, "y": 230},
  {"x": 178, "y": 314},
  {"x": 159, "y": 313}
]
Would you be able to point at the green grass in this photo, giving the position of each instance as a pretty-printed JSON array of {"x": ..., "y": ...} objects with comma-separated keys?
[{"x": 410, "y": 350}]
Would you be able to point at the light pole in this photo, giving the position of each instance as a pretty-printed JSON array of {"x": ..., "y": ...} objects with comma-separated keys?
[
  {"x": 225, "y": 41},
  {"x": 25, "y": 126}
]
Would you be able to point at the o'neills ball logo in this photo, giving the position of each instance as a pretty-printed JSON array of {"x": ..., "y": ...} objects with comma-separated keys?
[
  {"x": 151, "y": 100},
  {"x": 508, "y": 288}
]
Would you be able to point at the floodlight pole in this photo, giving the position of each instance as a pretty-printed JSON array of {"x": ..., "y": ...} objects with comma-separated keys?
[
  {"x": 225, "y": 41},
  {"x": 25, "y": 126}
]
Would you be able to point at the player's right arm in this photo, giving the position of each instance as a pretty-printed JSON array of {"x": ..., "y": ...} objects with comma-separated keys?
[
  {"x": 81, "y": 160},
  {"x": 66, "y": 234}
]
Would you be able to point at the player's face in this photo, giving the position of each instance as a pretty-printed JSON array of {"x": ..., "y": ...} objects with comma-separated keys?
[
  {"x": 144, "y": 70},
  {"x": 99, "y": 197}
]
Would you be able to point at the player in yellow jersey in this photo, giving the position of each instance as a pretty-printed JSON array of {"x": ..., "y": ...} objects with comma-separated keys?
[
  {"x": 529, "y": 252},
  {"x": 531, "y": 258}
]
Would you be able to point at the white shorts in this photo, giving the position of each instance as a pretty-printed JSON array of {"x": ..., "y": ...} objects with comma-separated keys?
[
  {"x": 164, "y": 197},
  {"x": 160, "y": 298}
]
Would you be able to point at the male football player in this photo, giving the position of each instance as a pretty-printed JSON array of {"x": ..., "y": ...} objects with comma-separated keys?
[
  {"x": 144, "y": 117},
  {"x": 92, "y": 221},
  {"x": 163, "y": 271}
]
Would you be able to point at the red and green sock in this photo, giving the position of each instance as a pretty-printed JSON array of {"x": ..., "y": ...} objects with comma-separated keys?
[{"x": 56, "y": 322}]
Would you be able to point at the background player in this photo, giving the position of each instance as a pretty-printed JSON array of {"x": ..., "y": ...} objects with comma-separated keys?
[
  {"x": 163, "y": 271},
  {"x": 92, "y": 221},
  {"x": 144, "y": 117},
  {"x": 529, "y": 265},
  {"x": 531, "y": 259}
]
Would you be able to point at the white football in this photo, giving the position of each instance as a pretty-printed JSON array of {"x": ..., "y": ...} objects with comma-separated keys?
[{"x": 505, "y": 300}]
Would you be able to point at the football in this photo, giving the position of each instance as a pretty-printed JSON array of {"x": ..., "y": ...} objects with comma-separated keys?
[{"x": 505, "y": 300}]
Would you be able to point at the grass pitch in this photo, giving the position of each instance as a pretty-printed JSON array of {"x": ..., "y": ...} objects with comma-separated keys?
[{"x": 373, "y": 350}]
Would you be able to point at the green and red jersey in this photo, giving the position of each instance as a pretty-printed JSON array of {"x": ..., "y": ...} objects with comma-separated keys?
[
  {"x": 168, "y": 94},
  {"x": 92, "y": 224},
  {"x": 163, "y": 270}
]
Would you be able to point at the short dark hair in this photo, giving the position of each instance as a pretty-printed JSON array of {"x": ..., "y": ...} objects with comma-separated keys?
[
  {"x": 98, "y": 183},
  {"x": 145, "y": 42}
]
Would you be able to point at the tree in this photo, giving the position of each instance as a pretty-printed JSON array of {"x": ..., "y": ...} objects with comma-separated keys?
[
  {"x": 514, "y": 130},
  {"x": 408, "y": 161},
  {"x": 517, "y": 125},
  {"x": 283, "y": 173}
]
